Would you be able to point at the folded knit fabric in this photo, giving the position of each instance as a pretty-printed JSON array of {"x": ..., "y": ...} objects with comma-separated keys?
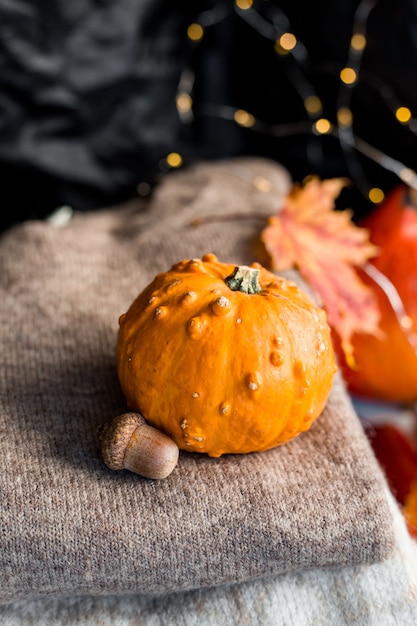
[
  {"x": 69, "y": 525},
  {"x": 377, "y": 594}
]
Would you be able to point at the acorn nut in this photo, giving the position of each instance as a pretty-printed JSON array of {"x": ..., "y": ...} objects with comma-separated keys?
[{"x": 128, "y": 442}]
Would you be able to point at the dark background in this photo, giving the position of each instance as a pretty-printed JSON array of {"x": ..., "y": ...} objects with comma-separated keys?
[{"x": 88, "y": 89}]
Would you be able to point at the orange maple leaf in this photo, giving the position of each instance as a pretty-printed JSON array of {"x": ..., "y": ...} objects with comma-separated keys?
[{"x": 326, "y": 246}]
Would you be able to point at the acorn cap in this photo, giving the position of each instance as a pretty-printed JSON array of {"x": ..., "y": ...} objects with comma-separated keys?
[{"x": 115, "y": 437}]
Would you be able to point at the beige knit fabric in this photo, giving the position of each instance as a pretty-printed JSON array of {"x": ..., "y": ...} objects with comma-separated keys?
[
  {"x": 377, "y": 594},
  {"x": 68, "y": 525}
]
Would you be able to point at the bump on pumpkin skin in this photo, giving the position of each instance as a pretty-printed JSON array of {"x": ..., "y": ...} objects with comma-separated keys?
[
  {"x": 262, "y": 363},
  {"x": 189, "y": 297},
  {"x": 221, "y": 306},
  {"x": 225, "y": 408},
  {"x": 276, "y": 358}
]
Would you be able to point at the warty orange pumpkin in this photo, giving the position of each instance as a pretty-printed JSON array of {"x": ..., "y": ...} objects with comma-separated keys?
[{"x": 225, "y": 359}]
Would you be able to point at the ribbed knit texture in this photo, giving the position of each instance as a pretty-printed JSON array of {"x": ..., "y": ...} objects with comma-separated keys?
[{"x": 69, "y": 525}]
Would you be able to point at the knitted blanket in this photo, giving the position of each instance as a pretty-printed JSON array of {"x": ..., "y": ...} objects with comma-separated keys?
[{"x": 68, "y": 525}]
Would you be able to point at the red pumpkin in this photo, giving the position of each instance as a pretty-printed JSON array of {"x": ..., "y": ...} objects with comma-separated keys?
[{"x": 386, "y": 366}]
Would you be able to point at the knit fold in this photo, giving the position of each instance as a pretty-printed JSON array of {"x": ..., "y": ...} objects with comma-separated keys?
[{"x": 71, "y": 526}]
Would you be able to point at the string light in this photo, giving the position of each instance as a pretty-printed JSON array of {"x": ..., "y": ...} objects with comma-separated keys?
[
  {"x": 313, "y": 104},
  {"x": 349, "y": 79},
  {"x": 243, "y": 118},
  {"x": 376, "y": 195},
  {"x": 195, "y": 32},
  {"x": 344, "y": 117},
  {"x": 322, "y": 126},
  {"x": 348, "y": 76},
  {"x": 358, "y": 42},
  {"x": 293, "y": 54},
  {"x": 174, "y": 159},
  {"x": 184, "y": 102},
  {"x": 403, "y": 115},
  {"x": 285, "y": 44},
  {"x": 244, "y": 5}
]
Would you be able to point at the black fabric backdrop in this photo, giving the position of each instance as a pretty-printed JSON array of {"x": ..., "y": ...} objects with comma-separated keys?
[{"x": 88, "y": 88}]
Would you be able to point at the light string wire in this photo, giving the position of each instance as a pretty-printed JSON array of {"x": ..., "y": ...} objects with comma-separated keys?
[
  {"x": 349, "y": 76},
  {"x": 394, "y": 299},
  {"x": 275, "y": 26}
]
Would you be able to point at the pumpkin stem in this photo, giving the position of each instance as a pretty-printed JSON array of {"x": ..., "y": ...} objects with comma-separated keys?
[{"x": 244, "y": 279}]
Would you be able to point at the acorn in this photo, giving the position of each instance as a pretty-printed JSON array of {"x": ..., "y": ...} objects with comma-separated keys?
[{"x": 128, "y": 442}]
